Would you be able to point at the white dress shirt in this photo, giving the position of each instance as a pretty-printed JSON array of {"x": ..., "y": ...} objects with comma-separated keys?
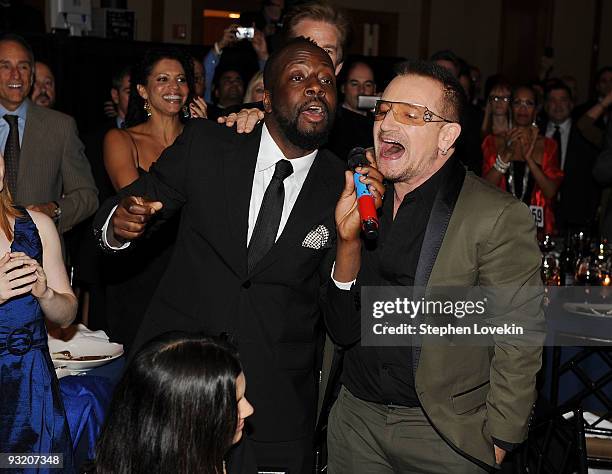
[
  {"x": 564, "y": 129},
  {"x": 269, "y": 153}
]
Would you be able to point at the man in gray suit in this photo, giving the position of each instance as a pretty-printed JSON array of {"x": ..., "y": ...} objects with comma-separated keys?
[{"x": 45, "y": 166}]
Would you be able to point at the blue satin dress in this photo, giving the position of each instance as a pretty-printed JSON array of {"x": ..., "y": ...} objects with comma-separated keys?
[{"x": 32, "y": 417}]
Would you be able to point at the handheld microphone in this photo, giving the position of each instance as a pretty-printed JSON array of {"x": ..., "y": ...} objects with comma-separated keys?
[{"x": 365, "y": 200}]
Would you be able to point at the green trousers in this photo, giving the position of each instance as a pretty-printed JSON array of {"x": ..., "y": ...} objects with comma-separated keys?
[{"x": 368, "y": 438}]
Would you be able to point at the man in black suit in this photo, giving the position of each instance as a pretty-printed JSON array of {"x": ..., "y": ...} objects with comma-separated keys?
[
  {"x": 223, "y": 276},
  {"x": 579, "y": 193}
]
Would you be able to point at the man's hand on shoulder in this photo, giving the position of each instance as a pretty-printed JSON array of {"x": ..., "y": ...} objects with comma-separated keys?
[
  {"x": 245, "y": 120},
  {"x": 131, "y": 217}
]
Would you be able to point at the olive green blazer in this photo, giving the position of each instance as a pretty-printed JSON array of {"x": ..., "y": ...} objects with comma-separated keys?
[{"x": 479, "y": 235}]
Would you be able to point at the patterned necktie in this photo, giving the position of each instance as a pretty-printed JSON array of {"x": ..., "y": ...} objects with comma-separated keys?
[
  {"x": 268, "y": 219},
  {"x": 557, "y": 137},
  {"x": 11, "y": 154}
]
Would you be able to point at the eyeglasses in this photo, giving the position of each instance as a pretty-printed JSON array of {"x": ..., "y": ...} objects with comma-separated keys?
[
  {"x": 527, "y": 103},
  {"x": 499, "y": 98},
  {"x": 406, "y": 113}
]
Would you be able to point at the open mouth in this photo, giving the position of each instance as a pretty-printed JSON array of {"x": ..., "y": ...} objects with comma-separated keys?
[
  {"x": 15, "y": 86},
  {"x": 173, "y": 98},
  {"x": 390, "y": 149},
  {"x": 314, "y": 112}
]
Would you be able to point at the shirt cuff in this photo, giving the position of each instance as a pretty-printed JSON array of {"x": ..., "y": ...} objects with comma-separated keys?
[
  {"x": 105, "y": 229},
  {"x": 341, "y": 285}
]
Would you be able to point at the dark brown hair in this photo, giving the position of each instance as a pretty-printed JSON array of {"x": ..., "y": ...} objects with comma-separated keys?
[
  {"x": 174, "y": 409},
  {"x": 453, "y": 96}
]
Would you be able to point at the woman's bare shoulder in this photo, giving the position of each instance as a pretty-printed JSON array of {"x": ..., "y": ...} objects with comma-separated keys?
[{"x": 44, "y": 224}]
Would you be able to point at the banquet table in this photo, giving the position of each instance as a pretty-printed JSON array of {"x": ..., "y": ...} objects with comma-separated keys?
[
  {"x": 590, "y": 337},
  {"x": 86, "y": 400}
]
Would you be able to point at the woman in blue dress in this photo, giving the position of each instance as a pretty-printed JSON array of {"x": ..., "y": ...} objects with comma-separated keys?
[{"x": 33, "y": 287}]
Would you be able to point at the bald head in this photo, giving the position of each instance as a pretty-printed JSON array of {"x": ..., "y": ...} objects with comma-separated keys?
[
  {"x": 299, "y": 97},
  {"x": 43, "y": 92}
]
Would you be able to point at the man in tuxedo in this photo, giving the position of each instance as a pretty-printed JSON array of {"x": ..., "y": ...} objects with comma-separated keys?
[
  {"x": 46, "y": 169},
  {"x": 579, "y": 194},
  {"x": 254, "y": 245},
  {"x": 431, "y": 408}
]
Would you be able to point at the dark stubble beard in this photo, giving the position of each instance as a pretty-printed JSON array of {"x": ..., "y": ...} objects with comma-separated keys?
[{"x": 304, "y": 140}]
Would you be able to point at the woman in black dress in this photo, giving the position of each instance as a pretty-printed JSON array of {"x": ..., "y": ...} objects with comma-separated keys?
[{"x": 162, "y": 86}]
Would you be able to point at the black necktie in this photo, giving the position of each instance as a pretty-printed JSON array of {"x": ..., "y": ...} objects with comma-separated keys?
[
  {"x": 11, "y": 154},
  {"x": 557, "y": 138},
  {"x": 268, "y": 219}
]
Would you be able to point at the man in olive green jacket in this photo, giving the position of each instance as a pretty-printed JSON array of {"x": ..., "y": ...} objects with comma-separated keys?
[{"x": 431, "y": 408}]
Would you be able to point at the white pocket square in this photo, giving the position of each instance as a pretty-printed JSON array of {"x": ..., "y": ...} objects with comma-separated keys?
[{"x": 317, "y": 238}]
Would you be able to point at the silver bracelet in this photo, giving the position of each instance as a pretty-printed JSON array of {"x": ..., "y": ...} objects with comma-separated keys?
[{"x": 500, "y": 165}]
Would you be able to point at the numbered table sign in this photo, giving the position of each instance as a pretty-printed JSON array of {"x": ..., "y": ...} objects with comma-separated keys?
[{"x": 538, "y": 215}]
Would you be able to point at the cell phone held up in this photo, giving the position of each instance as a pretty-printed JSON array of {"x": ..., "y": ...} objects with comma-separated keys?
[
  {"x": 367, "y": 102},
  {"x": 243, "y": 32}
]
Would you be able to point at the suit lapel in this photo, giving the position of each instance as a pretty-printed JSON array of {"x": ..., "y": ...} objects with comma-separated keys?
[
  {"x": 440, "y": 216},
  {"x": 310, "y": 208},
  {"x": 33, "y": 137},
  {"x": 238, "y": 170}
]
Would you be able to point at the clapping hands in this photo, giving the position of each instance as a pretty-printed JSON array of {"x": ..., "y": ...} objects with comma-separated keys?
[
  {"x": 520, "y": 143},
  {"x": 20, "y": 274}
]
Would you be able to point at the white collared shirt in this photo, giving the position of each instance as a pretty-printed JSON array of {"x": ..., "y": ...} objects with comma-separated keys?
[
  {"x": 564, "y": 129},
  {"x": 269, "y": 153},
  {"x": 267, "y": 157}
]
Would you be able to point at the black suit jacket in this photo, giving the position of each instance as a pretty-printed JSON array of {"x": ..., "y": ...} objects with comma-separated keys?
[
  {"x": 579, "y": 192},
  {"x": 273, "y": 312}
]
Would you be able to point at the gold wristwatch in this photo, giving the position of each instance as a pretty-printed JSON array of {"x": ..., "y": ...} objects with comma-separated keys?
[{"x": 57, "y": 212}]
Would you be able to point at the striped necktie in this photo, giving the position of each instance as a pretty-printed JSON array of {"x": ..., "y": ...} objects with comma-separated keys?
[{"x": 11, "y": 154}]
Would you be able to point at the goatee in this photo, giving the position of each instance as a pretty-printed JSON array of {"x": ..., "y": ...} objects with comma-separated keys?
[{"x": 304, "y": 140}]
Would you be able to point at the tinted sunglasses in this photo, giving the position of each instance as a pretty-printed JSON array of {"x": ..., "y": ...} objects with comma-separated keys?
[
  {"x": 498, "y": 98},
  {"x": 407, "y": 113}
]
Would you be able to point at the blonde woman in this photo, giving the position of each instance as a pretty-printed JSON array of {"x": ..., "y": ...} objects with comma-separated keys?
[{"x": 255, "y": 89}]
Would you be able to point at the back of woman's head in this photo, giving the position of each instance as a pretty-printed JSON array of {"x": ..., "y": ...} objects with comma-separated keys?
[
  {"x": 174, "y": 409},
  {"x": 140, "y": 74}
]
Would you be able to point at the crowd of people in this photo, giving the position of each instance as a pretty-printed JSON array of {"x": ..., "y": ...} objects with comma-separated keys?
[{"x": 212, "y": 215}]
